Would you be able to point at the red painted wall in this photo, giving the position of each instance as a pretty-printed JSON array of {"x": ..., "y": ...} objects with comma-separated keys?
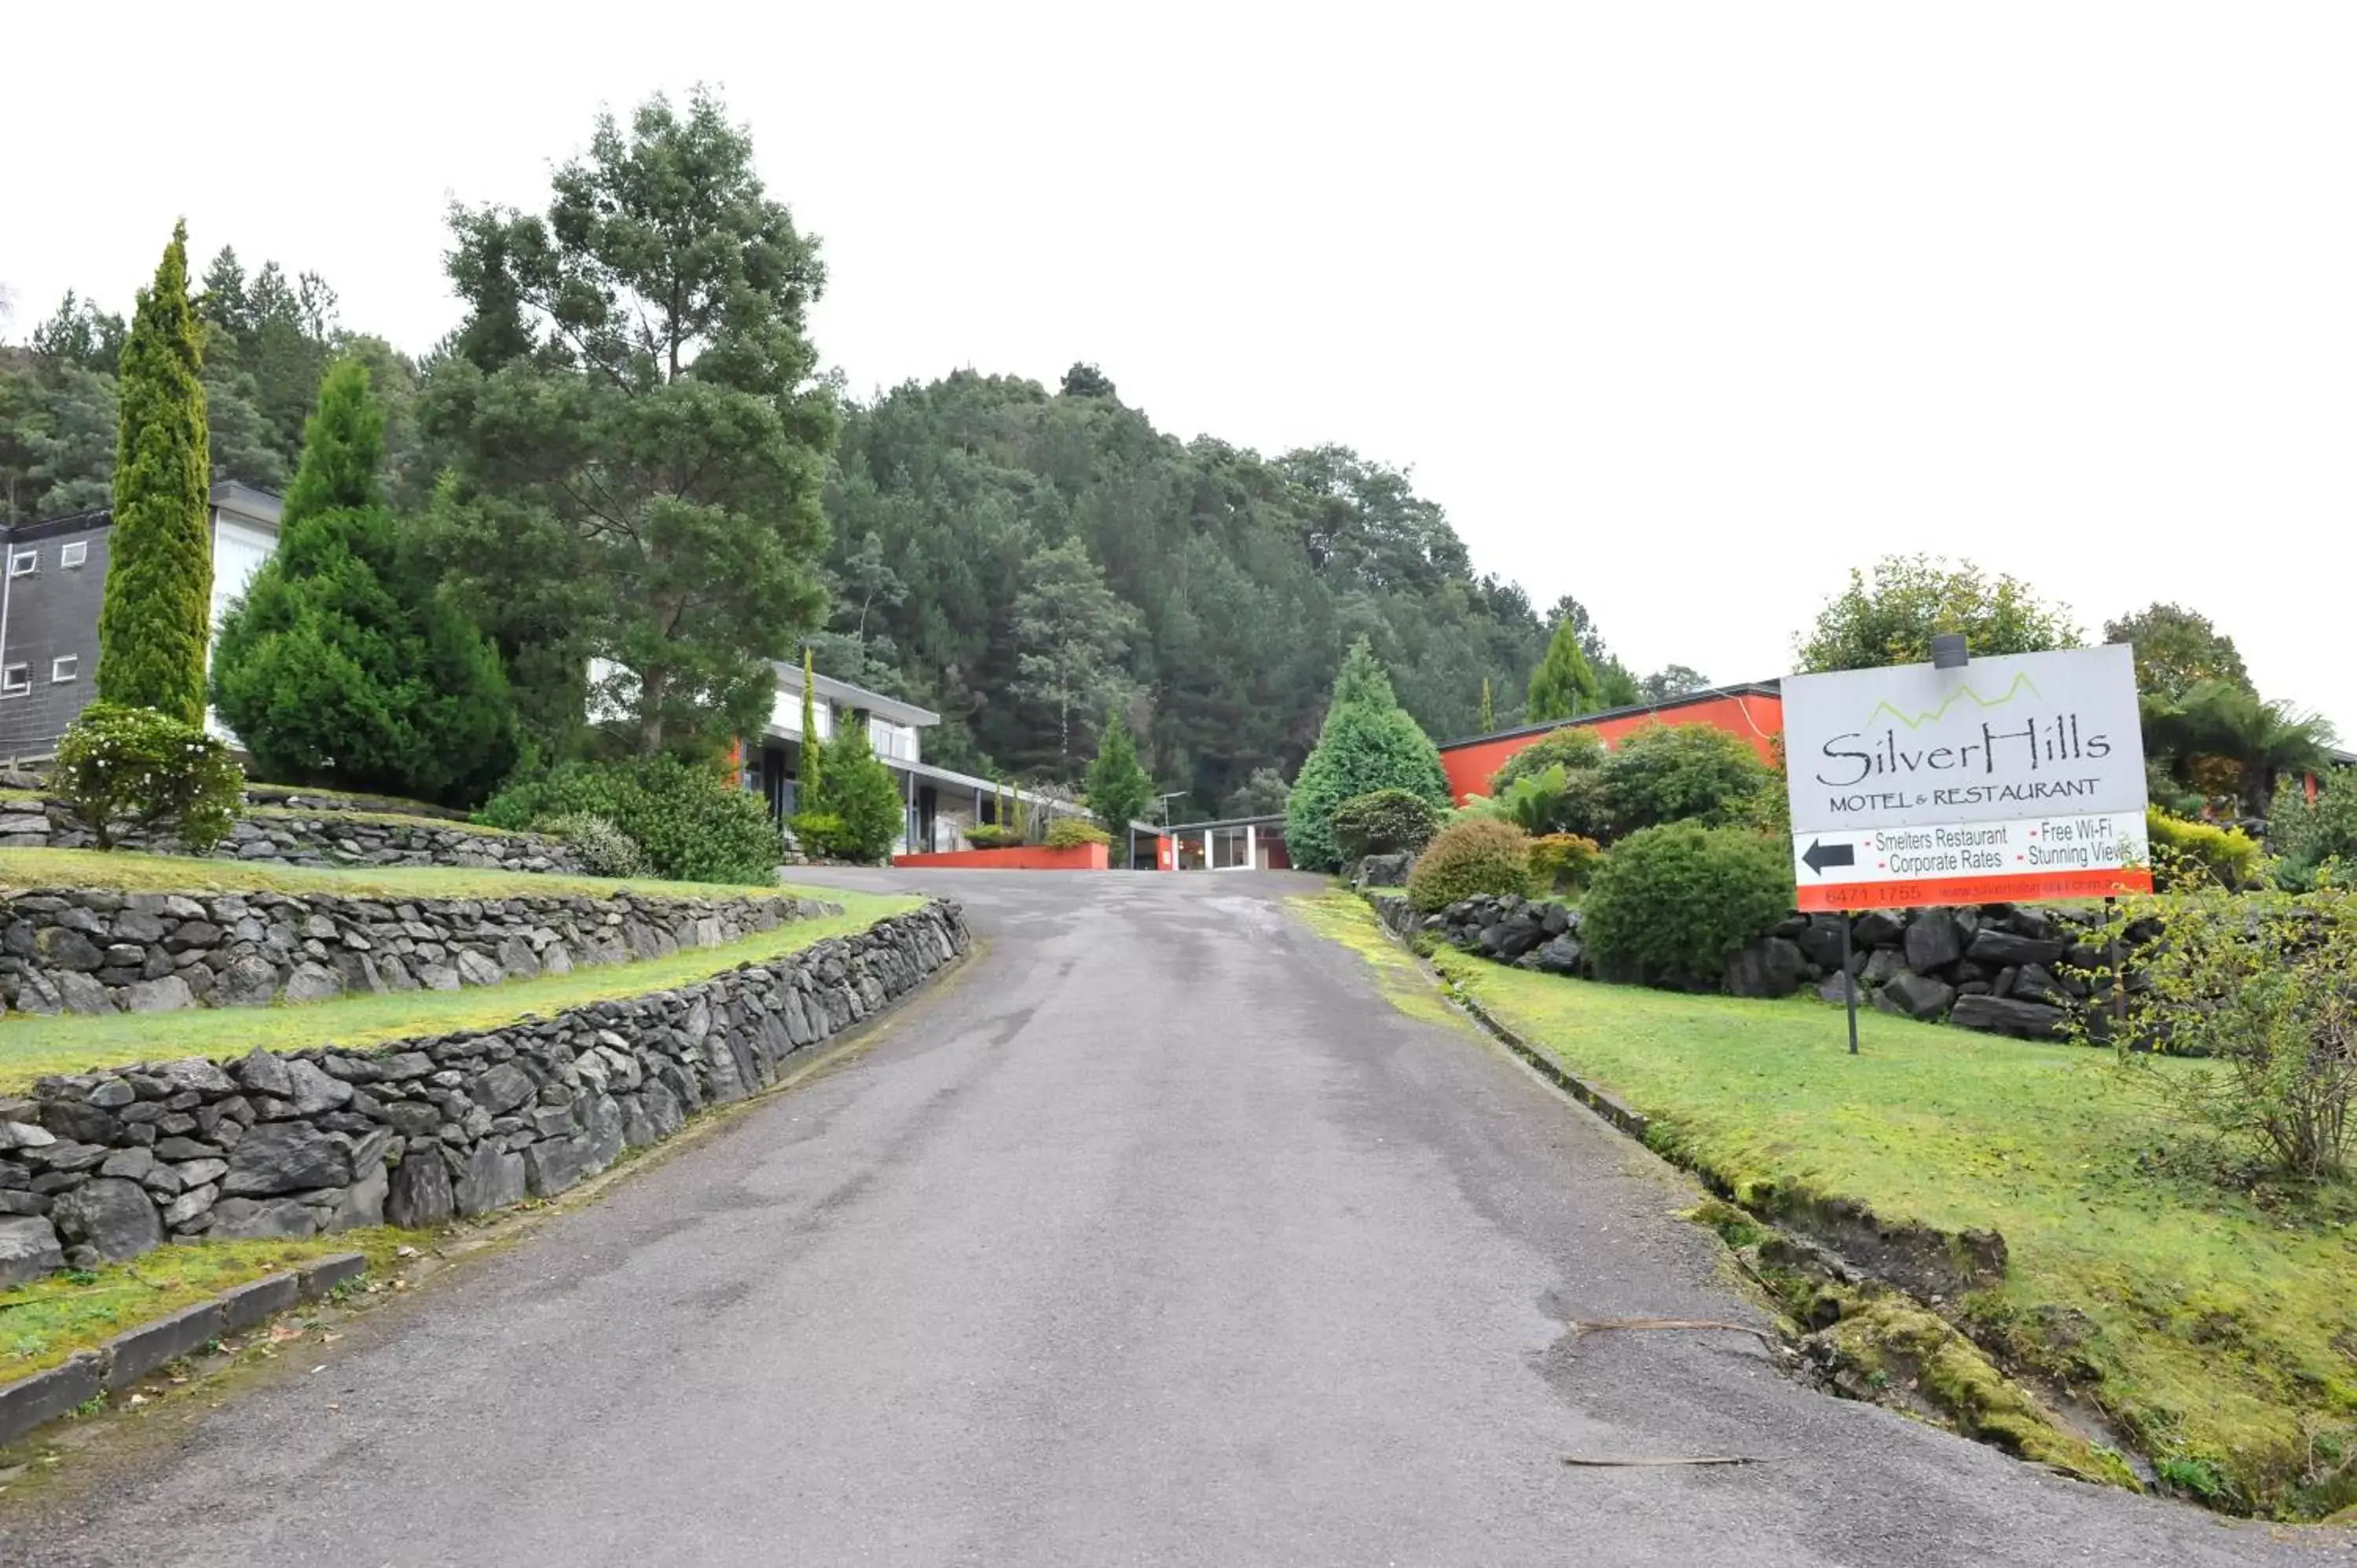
[
  {"x": 1028, "y": 857},
  {"x": 1757, "y": 719}
]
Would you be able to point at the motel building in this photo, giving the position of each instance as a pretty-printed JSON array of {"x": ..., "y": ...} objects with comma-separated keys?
[{"x": 1234, "y": 844}]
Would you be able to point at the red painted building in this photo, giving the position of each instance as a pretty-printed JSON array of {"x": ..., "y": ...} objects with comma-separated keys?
[{"x": 1752, "y": 711}]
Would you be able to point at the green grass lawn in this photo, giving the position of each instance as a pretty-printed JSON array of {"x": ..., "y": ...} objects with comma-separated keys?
[
  {"x": 124, "y": 871},
  {"x": 2224, "y": 1313},
  {"x": 45, "y": 1320},
  {"x": 32, "y": 1047}
]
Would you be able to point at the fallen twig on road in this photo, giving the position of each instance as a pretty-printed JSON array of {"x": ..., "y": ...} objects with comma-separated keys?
[
  {"x": 1609, "y": 1464},
  {"x": 1582, "y": 1330}
]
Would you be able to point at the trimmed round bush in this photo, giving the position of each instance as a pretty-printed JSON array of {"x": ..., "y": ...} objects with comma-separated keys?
[
  {"x": 2186, "y": 853},
  {"x": 603, "y": 849},
  {"x": 1384, "y": 821},
  {"x": 1071, "y": 833},
  {"x": 1672, "y": 773},
  {"x": 992, "y": 835},
  {"x": 1474, "y": 855},
  {"x": 692, "y": 824},
  {"x": 117, "y": 761},
  {"x": 1574, "y": 750},
  {"x": 1671, "y": 905}
]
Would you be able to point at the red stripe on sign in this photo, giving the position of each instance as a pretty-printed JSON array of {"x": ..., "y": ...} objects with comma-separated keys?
[{"x": 2023, "y": 888}]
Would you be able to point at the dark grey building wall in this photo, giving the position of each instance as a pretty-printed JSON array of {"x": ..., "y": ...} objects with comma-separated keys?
[{"x": 52, "y": 614}]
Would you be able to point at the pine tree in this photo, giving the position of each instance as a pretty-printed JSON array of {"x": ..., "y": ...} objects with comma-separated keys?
[
  {"x": 1563, "y": 685},
  {"x": 1118, "y": 788},
  {"x": 1369, "y": 742},
  {"x": 859, "y": 793},
  {"x": 1488, "y": 721},
  {"x": 154, "y": 621},
  {"x": 344, "y": 664}
]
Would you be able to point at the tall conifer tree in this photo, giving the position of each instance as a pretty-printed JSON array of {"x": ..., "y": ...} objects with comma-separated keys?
[{"x": 153, "y": 622}]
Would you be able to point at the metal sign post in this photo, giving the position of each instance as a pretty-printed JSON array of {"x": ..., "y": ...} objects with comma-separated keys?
[{"x": 1849, "y": 984}]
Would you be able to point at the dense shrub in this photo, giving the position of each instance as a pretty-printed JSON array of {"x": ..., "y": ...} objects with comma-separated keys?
[
  {"x": 2185, "y": 851},
  {"x": 815, "y": 832},
  {"x": 1384, "y": 821},
  {"x": 1675, "y": 773},
  {"x": 116, "y": 762},
  {"x": 1571, "y": 749},
  {"x": 1671, "y": 904},
  {"x": 993, "y": 835},
  {"x": 2308, "y": 836},
  {"x": 603, "y": 849},
  {"x": 2259, "y": 983},
  {"x": 858, "y": 792},
  {"x": 1472, "y": 854},
  {"x": 692, "y": 824},
  {"x": 1071, "y": 833},
  {"x": 1562, "y": 862},
  {"x": 1368, "y": 743}
]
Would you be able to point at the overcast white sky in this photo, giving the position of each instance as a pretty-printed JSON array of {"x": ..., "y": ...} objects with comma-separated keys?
[{"x": 1681, "y": 308}]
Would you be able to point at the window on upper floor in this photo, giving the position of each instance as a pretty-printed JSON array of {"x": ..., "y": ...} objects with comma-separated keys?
[
  {"x": 16, "y": 680},
  {"x": 72, "y": 554},
  {"x": 24, "y": 563},
  {"x": 65, "y": 667}
]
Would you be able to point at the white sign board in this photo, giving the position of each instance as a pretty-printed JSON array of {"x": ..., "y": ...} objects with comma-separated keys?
[{"x": 2013, "y": 778}]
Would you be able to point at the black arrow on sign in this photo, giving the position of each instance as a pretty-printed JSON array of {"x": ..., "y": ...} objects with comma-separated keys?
[{"x": 1821, "y": 854}]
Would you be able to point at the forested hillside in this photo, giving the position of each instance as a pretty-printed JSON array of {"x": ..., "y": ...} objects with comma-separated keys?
[{"x": 1025, "y": 560}]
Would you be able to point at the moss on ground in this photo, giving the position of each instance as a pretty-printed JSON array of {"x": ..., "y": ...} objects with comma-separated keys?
[
  {"x": 1340, "y": 916},
  {"x": 32, "y": 1047},
  {"x": 47, "y": 1320}
]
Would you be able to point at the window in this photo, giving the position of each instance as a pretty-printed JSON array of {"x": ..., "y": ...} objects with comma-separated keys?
[
  {"x": 72, "y": 555},
  {"x": 16, "y": 680},
  {"x": 24, "y": 563},
  {"x": 65, "y": 667}
]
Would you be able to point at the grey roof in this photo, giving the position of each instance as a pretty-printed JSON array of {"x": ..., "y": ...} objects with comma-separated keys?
[
  {"x": 1709, "y": 693},
  {"x": 1274, "y": 820},
  {"x": 874, "y": 703}
]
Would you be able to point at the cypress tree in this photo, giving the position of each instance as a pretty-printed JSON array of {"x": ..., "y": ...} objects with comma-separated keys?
[
  {"x": 1118, "y": 788},
  {"x": 1563, "y": 685},
  {"x": 344, "y": 664},
  {"x": 1489, "y": 709},
  {"x": 152, "y": 623},
  {"x": 810, "y": 771},
  {"x": 1369, "y": 742}
]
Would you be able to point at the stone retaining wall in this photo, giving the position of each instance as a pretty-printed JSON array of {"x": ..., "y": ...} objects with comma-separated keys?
[
  {"x": 310, "y": 834},
  {"x": 2001, "y": 968},
  {"x": 103, "y": 1166},
  {"x": 79, "y": 950}
]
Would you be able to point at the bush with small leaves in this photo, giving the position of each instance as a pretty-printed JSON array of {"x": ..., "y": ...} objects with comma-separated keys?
[
  {"x": 693, "y": 822},
  {"x": 1671, "y": 904},
  {"x": 1384, "y": 821},
  {"x": 1071, "y": 833},
  {"x": 815, "y": 833},
  {"x": 1573, "y": 750},
  {"x": 2184, "y": 853},
  {"x": 1562, "y": 862},
  {"x": 993, "y": 835},
  {"x": 1473, "y": 855},
  {"x": 602, "y": 849},
  {"x": 1675, "y": 773},
  {"x": 117, "y": 763}
]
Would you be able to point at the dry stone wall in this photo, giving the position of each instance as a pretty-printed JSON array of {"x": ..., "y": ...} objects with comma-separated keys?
[
  {"x": 311, "y": 834},
  {"x": 2005, "y": 969},
  {"x": 78, "y": 951},
  {"x": 102, "y": 1166}
]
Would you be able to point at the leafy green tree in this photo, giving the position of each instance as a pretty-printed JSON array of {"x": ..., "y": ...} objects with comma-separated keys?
[
  {"x": 152, "y": 622},
  {"x": 1118, "y": 789},
  {"x": 81, "y": 336},
  {"x": 1616, "y": 686},
  {"x": 1673, "y": 773},
  {"x": 2257, "y": 740},
  {"x": 1669, "y": 681},
  {"x": 1367, "y": 743},
  {"x": 637, "y": 429},
  {"x": 1571, "y": 748},
  {"x": 1072, "y": 631},
  {"x": 1262, "y": 795},
  {"x": 859, "y": 794},
  {"x": 1563, "y": 685},
  {"x": 343, "y": 664},
  {"x": 2176, "y": 650},
  {"x": 1891, "y": 618}
]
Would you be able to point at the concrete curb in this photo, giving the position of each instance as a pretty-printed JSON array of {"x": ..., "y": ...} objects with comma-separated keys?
[{"x": 32, "y": 1402}]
